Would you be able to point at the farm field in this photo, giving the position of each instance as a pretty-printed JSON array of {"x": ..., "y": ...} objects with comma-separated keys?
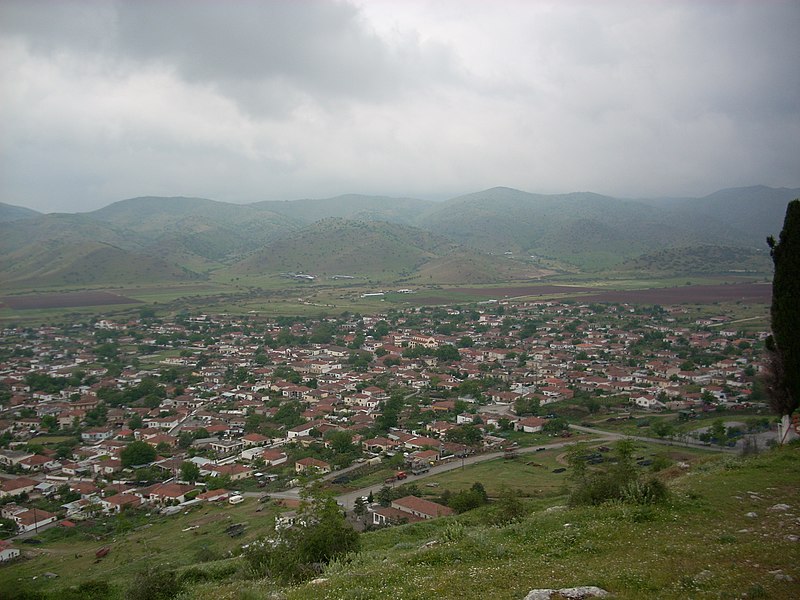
[{"x": 66, "y": 300}]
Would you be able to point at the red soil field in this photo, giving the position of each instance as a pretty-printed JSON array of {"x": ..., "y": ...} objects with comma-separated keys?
[
  {"x": 690, "y": 294},
  {"x": 66, "y": 300}
]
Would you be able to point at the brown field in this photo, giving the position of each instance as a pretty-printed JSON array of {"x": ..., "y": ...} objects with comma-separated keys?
[
  {"x": 691, "y": 294},
  {"x": 65, "y": 300},
  {"x": 497, "y": 293}
]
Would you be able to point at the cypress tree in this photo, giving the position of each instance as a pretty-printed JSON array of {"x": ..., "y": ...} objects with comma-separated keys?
[{"x": 783, "y": 345}]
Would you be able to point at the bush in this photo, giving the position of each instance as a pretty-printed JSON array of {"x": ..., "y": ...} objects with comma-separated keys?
[
  {"x": 154, "y": 584},
  {"x": 319, "y": 536}
]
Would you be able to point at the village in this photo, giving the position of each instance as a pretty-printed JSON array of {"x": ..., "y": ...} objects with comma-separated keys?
[{"x": 161, "y": 414}]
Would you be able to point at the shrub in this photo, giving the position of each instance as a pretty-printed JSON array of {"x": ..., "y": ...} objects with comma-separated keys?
[
  {"x": 320, "y": 535},
  {"x": 154, "y": 584}
]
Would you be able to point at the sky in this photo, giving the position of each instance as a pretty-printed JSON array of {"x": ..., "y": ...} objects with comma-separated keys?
[{"x": 246, "y": 100}]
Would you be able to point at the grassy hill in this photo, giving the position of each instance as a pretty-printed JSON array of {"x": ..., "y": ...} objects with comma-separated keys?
[
  {"x": 593, "y": 232},
  {"x": 700, "y": 260},
  {"x": 89, "y": 263},
  {"x": 207, "y": 228},
  {"x": 462, "y": 240},
  {"x": 702, "y": 544},
  {"x": 355, "y": 207},
  {"x": 375, "y": 249},
  {"x": 728, "y": 530},
  {"x": 9, "y": 212}
]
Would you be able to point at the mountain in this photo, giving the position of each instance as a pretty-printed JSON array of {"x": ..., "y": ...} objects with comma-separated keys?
[
  {"x": 9, "y": 212},
  {"x": 594, "y": 232},
  {"x": 59, "y": 249},
  {"x": 216, "y": 231},
  {"x": 488, "y": 236},
  {"x": 375, "y": 249},
  {"x": 353, "y": 207}
]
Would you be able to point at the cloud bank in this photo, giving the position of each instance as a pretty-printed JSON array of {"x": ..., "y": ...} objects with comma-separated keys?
[{"x": 251, "y": 100}]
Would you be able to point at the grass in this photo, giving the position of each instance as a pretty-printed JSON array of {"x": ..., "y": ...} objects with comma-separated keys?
[
  {"x": 154, "y": 540},
  {"x": 700, "y": 544}
]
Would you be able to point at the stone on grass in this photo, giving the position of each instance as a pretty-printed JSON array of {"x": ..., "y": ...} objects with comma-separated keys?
[{"x": 574, "y": 593}]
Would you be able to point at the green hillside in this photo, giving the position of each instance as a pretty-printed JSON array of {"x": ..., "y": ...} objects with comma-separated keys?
[
  {"x": 340, "y": 247},
  {"x": 728, "y": 529},
  {"x": 210, "y": 229},
  {"x": 355, "y": 207},
  {"x": 464, "y": 240},
  {"x": 88, "y": 263},
  {"x": 700, "y": 260},
  {"x": 9, "y": 212}
]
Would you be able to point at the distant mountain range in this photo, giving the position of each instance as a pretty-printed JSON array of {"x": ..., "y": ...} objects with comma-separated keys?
[{"x": 494, "y": 235}]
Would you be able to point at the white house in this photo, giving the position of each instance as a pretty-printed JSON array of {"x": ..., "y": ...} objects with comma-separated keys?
[{"x": 7, "y": 551}]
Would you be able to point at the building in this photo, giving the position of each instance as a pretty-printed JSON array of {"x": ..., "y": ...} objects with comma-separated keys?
[
  {"x": 7, "y": 551},
  {"x": 424, "y": 509}
]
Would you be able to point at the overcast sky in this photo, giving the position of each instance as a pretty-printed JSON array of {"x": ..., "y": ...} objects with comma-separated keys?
[{"x": 245, "y": 100}]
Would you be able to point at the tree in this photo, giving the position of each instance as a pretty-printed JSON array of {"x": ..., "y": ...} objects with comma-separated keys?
[
  {"x": 447, "y": 353},
  {"x": 137, "y": 453},
  {"x": 783, "y": 345},
  {"x": 320, "y": 534},
  {"x": 509, "y": 506},
  {"x": 190, "y": 471},
  {"x": 360, "y": 507}
]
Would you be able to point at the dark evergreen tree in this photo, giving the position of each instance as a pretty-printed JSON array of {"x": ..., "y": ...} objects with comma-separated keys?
[{"x": 784, "y": 343}]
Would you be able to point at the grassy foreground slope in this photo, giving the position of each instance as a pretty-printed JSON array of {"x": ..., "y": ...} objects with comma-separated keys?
[{"x": 702, "y": 544}]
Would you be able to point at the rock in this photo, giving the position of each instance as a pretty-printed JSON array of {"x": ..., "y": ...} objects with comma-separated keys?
[
  {"x": 780, "y": 507},
  {"x": 555, "y": 508},
  {"x": 319, "y": 580},
  {"x": 751, "y": 515},
  {"x": 575, "y": 593},
  {"x": 792, "y": 538}
]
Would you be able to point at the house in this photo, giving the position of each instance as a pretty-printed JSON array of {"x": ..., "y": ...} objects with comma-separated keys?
[
  {"x": 214, "y": 495},
  {"x": 311, "y": 465},
  {"x": 273, "y": 458},
  {"x": 421, "y": 508},
  {"x": 392, "y": 516},
  {"x": 115, "y": 503},
  {"x": 379, "y": 444},
  {"x": 13, "y": 457},
  {"x": 7, "y": 551},
  {"x": 97, "y": 434},
  {"x": 162, "y": 493},
  {"x": 254, "y": 439},
  {"x": 30, "y": 519},
  {"x": 226, "y": 446},
  {"x": 530, "y": 424},
  {"x": 302, "y": 430},
  {"x": 13, "y": 487},
  {"x": 234, "y": 471}
]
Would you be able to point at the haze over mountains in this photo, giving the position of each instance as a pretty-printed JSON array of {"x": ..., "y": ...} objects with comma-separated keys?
[{"x": 498, "y": 234}]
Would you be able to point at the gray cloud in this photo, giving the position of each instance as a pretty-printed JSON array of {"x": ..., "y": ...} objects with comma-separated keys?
[{"x": 247, "y": 100}]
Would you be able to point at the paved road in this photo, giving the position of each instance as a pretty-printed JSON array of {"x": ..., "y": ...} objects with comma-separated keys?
[
  {"x": 348, "y": 499},
  {"x": 665, "y": 442}
]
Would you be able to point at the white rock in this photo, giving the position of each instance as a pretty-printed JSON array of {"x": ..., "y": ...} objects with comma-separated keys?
[
  {"x": 576, "y": 593},
  {"x": 751, "y": 515},
  {"x": 780, "y": 507}
]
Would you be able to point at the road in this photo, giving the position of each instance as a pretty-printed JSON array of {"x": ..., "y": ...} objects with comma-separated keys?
[{"x": 347, "y": 500}]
